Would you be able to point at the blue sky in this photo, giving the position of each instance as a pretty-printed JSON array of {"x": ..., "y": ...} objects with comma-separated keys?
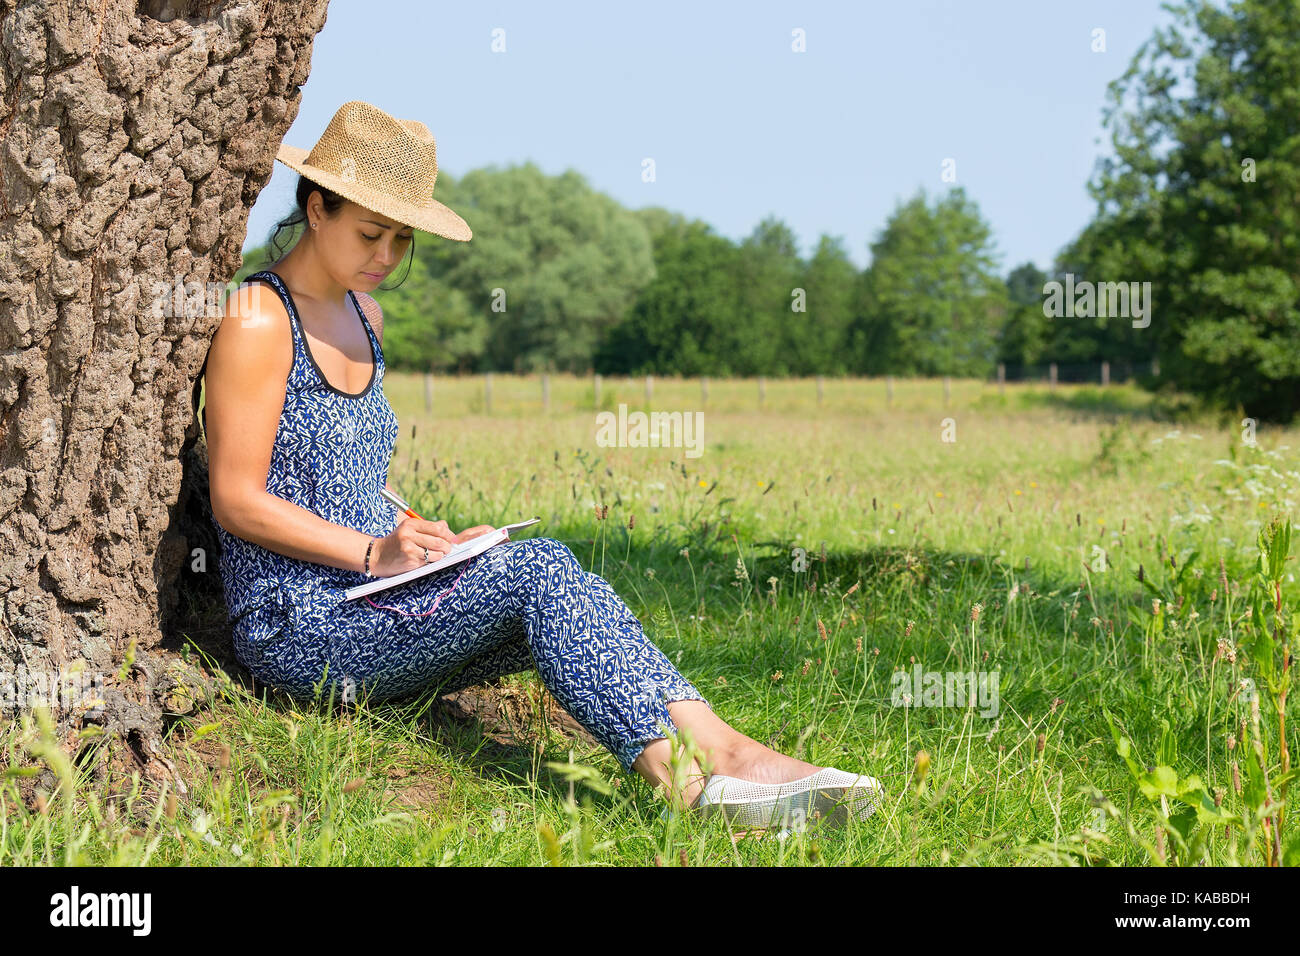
[{"x": 739, "y": 126}]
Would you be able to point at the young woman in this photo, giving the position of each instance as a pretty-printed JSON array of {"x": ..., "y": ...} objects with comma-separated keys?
[{"x": 299, "y": 440}]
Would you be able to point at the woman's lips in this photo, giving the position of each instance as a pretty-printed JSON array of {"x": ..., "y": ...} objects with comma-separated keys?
[{"x": 373, "y": 275}]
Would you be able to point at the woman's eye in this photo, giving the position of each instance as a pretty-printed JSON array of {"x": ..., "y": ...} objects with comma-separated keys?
[{"x": 371, "y": 238}]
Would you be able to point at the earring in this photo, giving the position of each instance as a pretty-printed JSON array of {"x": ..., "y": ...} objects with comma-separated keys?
[{"x": 313, "y": 225}]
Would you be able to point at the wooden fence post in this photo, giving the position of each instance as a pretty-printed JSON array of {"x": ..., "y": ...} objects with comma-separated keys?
[
  {"x": 1105, "y": 374},
  {"x": 596, "y": 386},
  {"x": 487, "y": 392},
  {"x": 546, "y": 393},
  {"x": 1002, "y": 378},
  {"x": 1051, "y": 376},
  {"x": 428, "y": 392}
]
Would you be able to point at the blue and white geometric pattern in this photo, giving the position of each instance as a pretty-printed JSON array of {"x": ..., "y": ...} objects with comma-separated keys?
[{"x": 520, "y": 605}]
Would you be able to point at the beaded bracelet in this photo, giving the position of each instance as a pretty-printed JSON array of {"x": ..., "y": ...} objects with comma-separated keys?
[{"x": 368, "y": 547}]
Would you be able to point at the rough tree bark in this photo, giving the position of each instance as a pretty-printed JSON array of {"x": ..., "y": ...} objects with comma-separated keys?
[{"x": 134, "y": 137}]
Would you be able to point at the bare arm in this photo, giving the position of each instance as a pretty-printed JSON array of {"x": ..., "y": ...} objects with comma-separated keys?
[{"x": 248, "y": 364}]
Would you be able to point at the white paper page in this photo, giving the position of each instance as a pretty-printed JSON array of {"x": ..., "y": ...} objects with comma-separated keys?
[{"x": 460, "y": 552}]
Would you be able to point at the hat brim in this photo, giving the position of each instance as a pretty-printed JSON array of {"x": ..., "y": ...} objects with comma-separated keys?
[{"x": 434, "y": 218}]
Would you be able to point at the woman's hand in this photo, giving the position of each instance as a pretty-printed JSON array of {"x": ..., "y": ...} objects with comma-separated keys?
[
  {"x": 404, "y": 548},
  {"x": 474, "y": 532}
]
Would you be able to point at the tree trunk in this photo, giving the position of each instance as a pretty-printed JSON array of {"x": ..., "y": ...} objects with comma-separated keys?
[{"x": 134, "y": 137}]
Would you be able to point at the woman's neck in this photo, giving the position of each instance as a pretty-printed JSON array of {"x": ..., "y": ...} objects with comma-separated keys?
[{"x": 300, "y": 268}]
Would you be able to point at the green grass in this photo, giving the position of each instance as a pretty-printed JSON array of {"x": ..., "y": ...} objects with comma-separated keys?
[{"x": 1040, "y": 513}]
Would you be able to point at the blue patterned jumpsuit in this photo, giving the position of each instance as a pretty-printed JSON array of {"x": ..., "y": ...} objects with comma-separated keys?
[{"x": 519, "y": 605}]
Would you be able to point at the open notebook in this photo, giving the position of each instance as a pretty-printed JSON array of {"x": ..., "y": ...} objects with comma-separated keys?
[{"x": 461, "y": 552}]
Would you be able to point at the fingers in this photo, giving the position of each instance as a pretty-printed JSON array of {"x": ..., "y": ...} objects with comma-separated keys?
[
  {"x": 414, "y": 535},
  {"x": 474, "y": 532},
  {"x": 423, "y": 530},
  {"x": 437, "y": 546}
]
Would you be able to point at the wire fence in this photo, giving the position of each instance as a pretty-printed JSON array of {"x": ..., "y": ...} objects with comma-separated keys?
[
  {"x": 1077, "y": 373},
  {"x": 493, "y": 393}
]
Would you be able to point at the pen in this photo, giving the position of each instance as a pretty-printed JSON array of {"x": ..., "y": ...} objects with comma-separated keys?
[{"x": 399, "y": 503}]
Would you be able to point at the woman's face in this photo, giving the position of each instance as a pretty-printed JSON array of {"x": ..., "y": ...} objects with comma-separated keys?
[{"x": 362, "y": 247}]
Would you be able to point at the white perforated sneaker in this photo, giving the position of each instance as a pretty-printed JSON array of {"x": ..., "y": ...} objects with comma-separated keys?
[{"x": 831, "y": 795}]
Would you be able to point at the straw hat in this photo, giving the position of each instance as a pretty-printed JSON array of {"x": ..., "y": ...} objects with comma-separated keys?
[{"x": 380, "y": 162}]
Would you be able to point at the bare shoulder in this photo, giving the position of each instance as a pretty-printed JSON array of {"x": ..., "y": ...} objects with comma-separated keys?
[
  {"x": 254, "y": 331},
  {"x": 374, "y": 314},
  {"x": 248, "y": 366}
]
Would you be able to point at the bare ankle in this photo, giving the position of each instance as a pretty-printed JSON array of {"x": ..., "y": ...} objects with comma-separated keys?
[
  {"x": 752, "y": 761},
  {"x": 736, "y": 756}
]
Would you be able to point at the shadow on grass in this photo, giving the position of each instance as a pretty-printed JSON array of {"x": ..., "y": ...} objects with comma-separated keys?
[
  {"x": 1105, "y": 403},
  {"x": 492, "y": 728}
]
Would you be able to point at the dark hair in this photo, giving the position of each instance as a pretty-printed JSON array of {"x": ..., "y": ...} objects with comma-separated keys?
[{"x": 298, "y": 217}]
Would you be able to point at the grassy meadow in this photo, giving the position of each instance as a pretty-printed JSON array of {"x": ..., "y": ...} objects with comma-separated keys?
[{"x": 811, "y": 551}]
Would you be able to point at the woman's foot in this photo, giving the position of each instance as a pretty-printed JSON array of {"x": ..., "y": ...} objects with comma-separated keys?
[
  {"x": 829, "y": 795},
  {"x": 742, "y": 759},
  {"x": 756, "y": 763},
  {"x": 756, "y": 787}
]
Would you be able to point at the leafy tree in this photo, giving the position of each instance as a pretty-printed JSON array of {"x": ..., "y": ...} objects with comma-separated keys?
[
  {"x": 658, "y": 220},
  {"x": 932, "y": 301},
  {"x": 429, "y": 325},
  {"x": 1202, "y": 199},
  {"x": 1097, "y": 337},
  {"x": 553, "y": 265},
  {"x": 687, "y": 318},
  {"x": 815, "y": 340},
  {"x": 1025, "y": 332},
  {"x": 769, "y": 271}
]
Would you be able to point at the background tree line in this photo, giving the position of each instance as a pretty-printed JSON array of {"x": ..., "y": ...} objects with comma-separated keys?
[
  {"x": 1199, "y": 198},
  {"x": 560, "y": 277}
]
